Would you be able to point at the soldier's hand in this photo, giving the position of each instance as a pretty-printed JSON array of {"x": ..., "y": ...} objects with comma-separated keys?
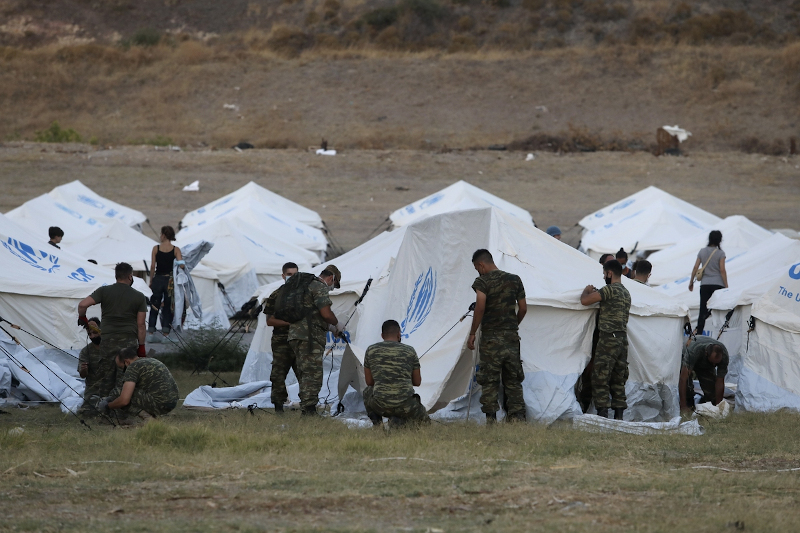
[
  {"x": 471, "y": 341},
  {"x": 84, "y": 367},
  {"x": 82, "y": 320},
  {"x": 102, "y": 405}
]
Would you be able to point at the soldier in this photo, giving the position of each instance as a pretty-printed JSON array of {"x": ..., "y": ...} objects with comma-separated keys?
[
  {"x": 610, "y": 371},
  {"x": 391, "y": 371},
  {"x": 148, "y": 389},
  {"x": 708, "y": 358},
  {"x": 282, "y": 355},
  {"x": 124, "y": 312},
  {"x": 497, "y": 295},
  {"x": 96, "y": 366},
  {"x": 307, "y": 336}
]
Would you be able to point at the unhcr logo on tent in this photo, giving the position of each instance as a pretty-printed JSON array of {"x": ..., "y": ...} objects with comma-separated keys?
[
  {"x": 25, "y": 252},
  {"x": 420, "y": 304}
]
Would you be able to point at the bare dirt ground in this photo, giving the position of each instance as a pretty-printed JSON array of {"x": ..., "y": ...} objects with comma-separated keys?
[{"x": 356, "y": 190}]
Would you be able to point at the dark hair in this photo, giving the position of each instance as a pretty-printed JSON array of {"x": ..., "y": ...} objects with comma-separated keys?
[
  {"x": 483, "y": 256},
  {"x": 390, "y": 327},
  {"x": 287, "y": 266},
  {"x": 622, "y": 254},
  {"x": 95, "y": 320},
  {"x": 613, "y": 266},
  {"x": 122, "y": 270},
  {"x": 716, "y": 348},
  {"x": 715, "y": 238},
  {"x": 168, "y": 232},
  {"x": 643, "y": 267},
  {"x": 326, "y": 274},
  {"x": 126, "y": 354},
  {"x": 92, "y": 261},
  {"x": 604, "y": 258},
  {"x": 55, "y": 231}
]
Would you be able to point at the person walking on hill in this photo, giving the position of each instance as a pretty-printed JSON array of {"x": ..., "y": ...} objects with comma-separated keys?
[
  {"x": 124, "y": 312},
  {"x": 610, "y": 371},
  {"x": 283, "y": 357},
  {"x": 56, "y": 234},
  {"x": 711, "y": 275},
  {"x": 500, "y": 306},
  {"x": 162, "y": 260},
  {"x": 391, "y": 371}
]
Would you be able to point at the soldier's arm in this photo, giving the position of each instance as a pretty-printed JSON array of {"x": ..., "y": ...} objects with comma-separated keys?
[
  {"x": 368, "y": 377},
  {"x": 477, "y": 317},
  {"x": 416, "y": 377},
  {"x": 590, "y": 295},
  {"x": 523, "y": 309},
  {"x": 141, "y": 317},
  {"x": 85, "y": 304},
  {"x": 124, "y": 397},
  {"x": 719, "y": 389},
  {"x": 328, "y": 316},
  {"x": 682, "y": 387},
  {"x": 275, "y": 323}
]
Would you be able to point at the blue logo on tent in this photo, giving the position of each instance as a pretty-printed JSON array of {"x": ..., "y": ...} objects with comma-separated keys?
[
  {"x": 91, "y": 201},
  {"x": 794, "y": 271},
  {"x": 621, "y": 205},
  {"x": 221, "y": 202},
  {"x": 81, "y": 275},
  {"x": 420, "y": 303},
  {"x": 430, "y": 201},
  {"x": 111, "y": 213},
  {"x": 40, "y": 260},
  {"x": 692, "y": 222},
  {"x": 68, "y": 210}
]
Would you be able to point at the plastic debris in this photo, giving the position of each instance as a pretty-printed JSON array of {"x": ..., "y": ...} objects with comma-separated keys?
[
  {"x": 530, "y": 157},
  {"x": 321, "y": 151},
  {"x": 193, "y": 187}
]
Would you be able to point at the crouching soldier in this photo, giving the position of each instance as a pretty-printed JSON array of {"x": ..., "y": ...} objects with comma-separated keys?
[
  {"x": 97, "y": 367},
  {"x": 148, "y": 389},
  {"x": 708, "y": 358},
  {"x": 391, "y": 371}
]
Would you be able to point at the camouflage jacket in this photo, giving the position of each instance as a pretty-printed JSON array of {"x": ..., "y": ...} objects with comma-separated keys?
[
  {"x": 615, "y": 306},
  {"x": 101, "y": 369},
  {"x": 316, "y": 298},
  {"x": 503, "y": 291},
  {"x": 391, "y": 365},
  {"x": 279, "y": 333},
  {"x": 153, "y": 377}
]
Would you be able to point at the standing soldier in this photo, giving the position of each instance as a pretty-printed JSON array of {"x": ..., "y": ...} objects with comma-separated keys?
[
  {"x": 282, "y": 355},
  {"x": 307, "y": 335},
  {"x": 610, "y": 371},
  {"x": 497, "y": 295},
  {"x": 124, "y": 313}
]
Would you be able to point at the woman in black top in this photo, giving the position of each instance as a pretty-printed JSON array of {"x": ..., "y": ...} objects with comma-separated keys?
[{"x": 161, "y": 263}]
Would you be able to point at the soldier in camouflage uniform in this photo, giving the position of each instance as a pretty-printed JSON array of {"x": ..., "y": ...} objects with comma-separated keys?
[
  {"x": 391, "y": 371},
  {"x": 96, "y": 366},
  {"x": 282, "y": 355},
  {"x": 610, "y": 371},
  {"x": 498, "y": 295},
  {"x": 708, "y": 359},
  {"x": 307, "y": 337},
  {"x": 148, "y": 388}
]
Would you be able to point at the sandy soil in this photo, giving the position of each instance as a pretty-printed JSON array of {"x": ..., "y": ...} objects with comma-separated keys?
[{"x": 355, "y": 191}]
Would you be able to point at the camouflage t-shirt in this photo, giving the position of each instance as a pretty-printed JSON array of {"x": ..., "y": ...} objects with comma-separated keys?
[
  {"x": 615, "y": 306},
  {"x": 503, "y": 291},
  {"x": 279, "y": 333},
  {"x": 695, "y": 356},
  {"x": 391, "y": 364},
  {"x": 153, "y": 377},
  {"x": 316, "y": 298}
]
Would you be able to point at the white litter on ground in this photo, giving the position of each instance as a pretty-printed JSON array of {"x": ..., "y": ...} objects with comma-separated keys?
[
  {"x": 598, "y": 424},
  {"x": 192, "y": 187}
]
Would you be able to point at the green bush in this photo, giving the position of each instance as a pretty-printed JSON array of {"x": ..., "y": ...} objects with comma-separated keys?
[
  {"x": 206, "y": 349},
  {"x": 56, "y": 134},
  {"x": 158, "y": 140},
  {"x": 146, "y": 37}
]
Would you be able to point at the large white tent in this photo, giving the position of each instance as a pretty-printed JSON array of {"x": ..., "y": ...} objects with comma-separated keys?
[
  {"x": 274, "y": 203},
  {"x": 115, "y": 243},
  {"x": 244, "y": 257},
  {"x": 770, "y": 377},
  {"x": 38, "y": 214},
  {"x": 81, "y": 198},
  {"x": 739, "y": 234},
  {"x": 40, "y": 287},
  {"x": 458, "y": 196}
]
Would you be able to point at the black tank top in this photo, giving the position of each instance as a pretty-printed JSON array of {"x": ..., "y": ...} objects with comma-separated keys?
[{"x": 164, "y": 261}]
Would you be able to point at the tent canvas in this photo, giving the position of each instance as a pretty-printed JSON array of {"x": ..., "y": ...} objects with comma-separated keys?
[
  {"x": 115, "y": 243},
  {"x": 38, "y": 214},
  {"x": 271, "y": 201},
  {"x": 458, "y": 196},
  {"x": 770, "y": 378},
  {"x": 81, "y": 198}
]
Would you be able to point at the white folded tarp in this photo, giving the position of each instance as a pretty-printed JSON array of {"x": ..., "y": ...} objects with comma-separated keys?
[
  {"x": 428, "y": 290},
  {"x": 458, "y": 196},
  {"x": 114, "y": 243},
  {"x": 770, "y": 378},
  {"x": 675, "y": 426},
  {"x": 272, "y": 202},
  {"x": 81, "y": 198},
  {"x": 212, "y": 301},
  {"x": 738, "y": 235},
  {"x": 40, "y": 287}
]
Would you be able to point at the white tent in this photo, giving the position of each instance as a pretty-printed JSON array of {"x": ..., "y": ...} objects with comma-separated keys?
[
  {"x": 429, "y": 289},
  {"x": 458, "y": 196},
  {"x": 114, "y": 243},
  {"x": 274, "y": 203},
  {"x": 81, "y": 198},
  {"x": 215, "y": 311},
  {"x": 738, "y": 235},
  {"x": 40, "y": 287},
  {"x": 281, "y": 229},
  {"x": 244, "y": 257},
  {"x": 770, "y": 378},
  {"x": 38, "y": 214}
]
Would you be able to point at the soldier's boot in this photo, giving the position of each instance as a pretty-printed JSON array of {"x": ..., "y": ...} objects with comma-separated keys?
[
  {"x": 377, "y": 419},
  {"x": 396, "y": 422},
  {"x": 618, "y": 414},
  {"x": 278, "y": 408},
  {"x": 602, "y": 412},
  {"x": 517, "y": 417},
  {"x": 309, "y": 411},
  {"x": 491, "y": 419}
]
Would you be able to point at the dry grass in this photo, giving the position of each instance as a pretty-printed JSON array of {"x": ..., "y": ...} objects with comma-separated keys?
[{"x": 229, "y": 471}]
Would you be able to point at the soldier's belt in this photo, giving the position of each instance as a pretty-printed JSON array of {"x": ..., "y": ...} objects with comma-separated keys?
[{"x": 615, "y": 334}]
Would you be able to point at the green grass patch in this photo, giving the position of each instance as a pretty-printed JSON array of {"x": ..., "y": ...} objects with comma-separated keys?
[
  {"x": 56, "y": 134},
  {"x": 206, "y": 349}
]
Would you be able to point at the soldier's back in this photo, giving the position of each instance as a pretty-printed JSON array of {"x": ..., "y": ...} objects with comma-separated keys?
[
  {"x": 503, "y": 290},
  {"x": 391, "y": 364}
]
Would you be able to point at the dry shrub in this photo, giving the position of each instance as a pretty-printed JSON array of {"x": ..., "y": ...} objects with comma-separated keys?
[
  {"x": 88, "y": 53},
  {"x": 465, "y": 23},
  {"x": 754, "y": 145},
  {"x": 533, "y": 5},
  {"x": 312, "y": 17},
  {"x": 193, "y": 53},
  {"x": 326, "y": 41},
  {"x": 598, "y": 11},
  {"x": 724, "y": 23},
  {"x": 791, "y": 59},
  {"x": 389, "y": 39},
  {"x": 462, "y": 43},
  {"x": 576, "y": 140},
  {"x": 289, "y": 41}
]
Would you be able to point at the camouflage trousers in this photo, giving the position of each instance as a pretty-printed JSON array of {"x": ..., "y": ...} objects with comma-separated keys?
[
  {"x": 610, "y": 371},
  {"x": 112, "y": 344},
  {"x": 283, "y": 359},
  {"x": 500, "y": 362},
  {"x": 411, "y": 409},
  {"x": 105, "y": 378},
  {"x": 309, "y": 361},
  {"x": 142, "y": 400}
]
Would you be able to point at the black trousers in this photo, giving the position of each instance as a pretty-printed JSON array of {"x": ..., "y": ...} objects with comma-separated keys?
[
  {"x": 705, "y": 294},
  {"x": 160, "y": 288}
]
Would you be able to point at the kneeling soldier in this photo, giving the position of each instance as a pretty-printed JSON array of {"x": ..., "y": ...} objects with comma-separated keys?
[
  {"x": 391, "y": 370},
  {"x": 709, "y": 360},
  {"x": 148, "y": 388}
]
